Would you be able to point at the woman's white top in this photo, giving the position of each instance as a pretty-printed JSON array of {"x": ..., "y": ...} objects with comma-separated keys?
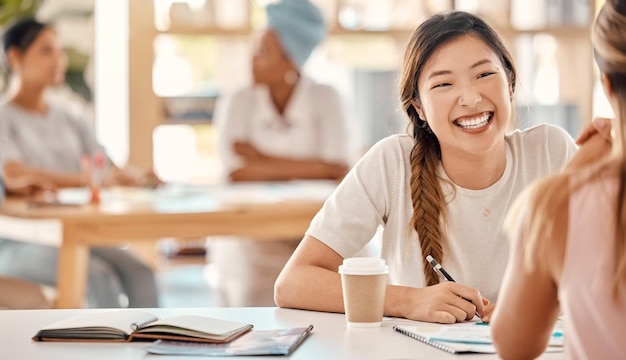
[
  {"x": 377, "y": 192},
  {"x": 313, "y": 125}
]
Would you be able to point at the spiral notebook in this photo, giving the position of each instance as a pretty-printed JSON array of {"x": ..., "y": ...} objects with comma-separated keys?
[
  {"x": 465, "y": 337},
  {"x": 417, "y": 333}
]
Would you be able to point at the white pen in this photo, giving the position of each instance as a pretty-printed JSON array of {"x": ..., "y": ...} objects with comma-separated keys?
[
  {"x": 439, "y": 269},
  {"x": 139, "y": 324}
]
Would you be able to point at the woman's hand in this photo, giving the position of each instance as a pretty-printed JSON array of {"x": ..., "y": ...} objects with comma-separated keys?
[
  {"x": 489, "y": 308},
  {"x": 134, "y": 177},
  {"x": 247, "y": 151},
  {"x": 599, "y": 125},
  {"x": 150, "y": 180},
  {"x": 446, "y": 303},
  {"x": 595, "y": 142}
]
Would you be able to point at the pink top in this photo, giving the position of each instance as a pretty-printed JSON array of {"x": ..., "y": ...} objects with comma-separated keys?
[{"x": 595, "y": 325}]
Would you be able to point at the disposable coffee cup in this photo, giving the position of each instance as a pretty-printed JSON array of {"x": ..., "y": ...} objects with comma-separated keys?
[{"x": 363, "y": 282}]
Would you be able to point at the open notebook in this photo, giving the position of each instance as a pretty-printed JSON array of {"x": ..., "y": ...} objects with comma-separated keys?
[
  {"x": 467, "y": 337},
  {"x": 129, "y": 325}
]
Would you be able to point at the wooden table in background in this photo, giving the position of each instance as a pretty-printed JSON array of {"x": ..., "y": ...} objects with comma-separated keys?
[{"x": 263, "y": 211}]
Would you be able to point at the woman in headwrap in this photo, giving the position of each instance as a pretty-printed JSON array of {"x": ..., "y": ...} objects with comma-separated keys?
[{"x": 284, "y": 126}]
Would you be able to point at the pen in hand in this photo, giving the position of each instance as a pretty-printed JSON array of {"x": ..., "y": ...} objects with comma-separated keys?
[{"x": 439, "y": 269}]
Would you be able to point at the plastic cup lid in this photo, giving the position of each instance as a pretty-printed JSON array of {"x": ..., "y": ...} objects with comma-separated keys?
[{"x": 363, "y": 266}]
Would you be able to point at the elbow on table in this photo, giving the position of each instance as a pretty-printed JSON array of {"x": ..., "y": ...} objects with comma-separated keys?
[
  {"x": 517, "y": 354},
  {"x": 282, "y": 292},
  {"x": 510, "y": 349}
]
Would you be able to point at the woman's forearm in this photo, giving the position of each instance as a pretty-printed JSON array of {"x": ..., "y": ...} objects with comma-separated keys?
[
  {"x": 309, "y": 287},
  {"x": 60, "y": 179},
  {"x": 315, "y": 288}
]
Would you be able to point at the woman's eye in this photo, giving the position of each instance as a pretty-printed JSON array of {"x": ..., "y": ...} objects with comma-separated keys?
[
  {"x": 441, "y": 85},
  {"x": 485, "y": 74}
]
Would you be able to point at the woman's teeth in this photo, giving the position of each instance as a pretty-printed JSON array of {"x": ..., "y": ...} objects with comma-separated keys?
[{"x": 474, "y": 123}]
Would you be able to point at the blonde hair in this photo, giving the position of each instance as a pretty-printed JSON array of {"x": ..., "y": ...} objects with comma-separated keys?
[
  {"x": 550, "y": 196},
  {"x": 429, "y": 203}
]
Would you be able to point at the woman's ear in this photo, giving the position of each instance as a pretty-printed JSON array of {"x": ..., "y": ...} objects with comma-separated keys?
[
  {"x": 419, "y": 110},
  {"x": 608, "y": 90},
  {"x": 13, "y": 57},
  {"x": 606, "y": 85}
]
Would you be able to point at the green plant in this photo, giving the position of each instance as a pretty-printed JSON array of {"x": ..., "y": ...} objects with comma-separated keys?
[
  {"x": 11, "y": 10},
  {"x": 14, "y": 9}
]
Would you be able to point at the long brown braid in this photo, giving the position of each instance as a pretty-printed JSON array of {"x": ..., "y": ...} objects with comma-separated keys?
[
  {"x": 428, "y": 200},
  {"x": 427, "y": 197}
]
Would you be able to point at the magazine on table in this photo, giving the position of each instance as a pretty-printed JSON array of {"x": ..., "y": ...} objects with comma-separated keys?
[{"x": 256, "y": 342}]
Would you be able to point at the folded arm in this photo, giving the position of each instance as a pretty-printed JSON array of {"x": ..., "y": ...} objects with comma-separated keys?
[{"x": 261, "y": 167}]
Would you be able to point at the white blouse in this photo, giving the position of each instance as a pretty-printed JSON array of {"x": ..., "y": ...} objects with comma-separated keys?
[{"x": 313, "y": 125}]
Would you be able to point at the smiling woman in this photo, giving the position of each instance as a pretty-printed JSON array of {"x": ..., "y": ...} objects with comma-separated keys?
[
  {"x": 464, "y": 91},
  {"x": 442, "y": 191}
]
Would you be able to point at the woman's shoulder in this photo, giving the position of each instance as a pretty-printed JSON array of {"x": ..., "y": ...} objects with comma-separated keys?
[
  {"x": 61, "y": 114},
  {"x": 543, "y": 137},
  {"x": 541, "y": 133},
  {"x": 6, "y": 115},
  {"x": 60, "y": 109},
  {"x": 12, "y": 114},
  {"x": 239, "y": 93},
  {"x": 397, "y": 147},
  {"x": 232, "y": 100},
  {"x": 395, "y": 141},
  {"x": 4, "y": 108},
  {"x": 7, "y": 108},
  {"x": 319, "y": 88}
]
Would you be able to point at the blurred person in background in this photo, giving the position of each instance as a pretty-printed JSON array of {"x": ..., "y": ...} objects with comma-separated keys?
[
  {"x": 17, "y": 293},
  {"x": 44, "y": 143},
  {"x": 282, "y": 127}
]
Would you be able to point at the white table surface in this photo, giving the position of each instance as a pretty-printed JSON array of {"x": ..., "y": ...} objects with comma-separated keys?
[{"x": 330, "y": 339}]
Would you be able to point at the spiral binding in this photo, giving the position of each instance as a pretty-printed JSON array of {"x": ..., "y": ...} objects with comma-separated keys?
[{"x": 438, "y": 345}]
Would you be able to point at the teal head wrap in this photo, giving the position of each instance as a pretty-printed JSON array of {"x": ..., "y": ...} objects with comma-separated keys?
[{"x": 299, "y": 25}]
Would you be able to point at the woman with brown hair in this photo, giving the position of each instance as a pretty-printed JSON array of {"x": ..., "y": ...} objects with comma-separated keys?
[{"x": 441, "y": 191}]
